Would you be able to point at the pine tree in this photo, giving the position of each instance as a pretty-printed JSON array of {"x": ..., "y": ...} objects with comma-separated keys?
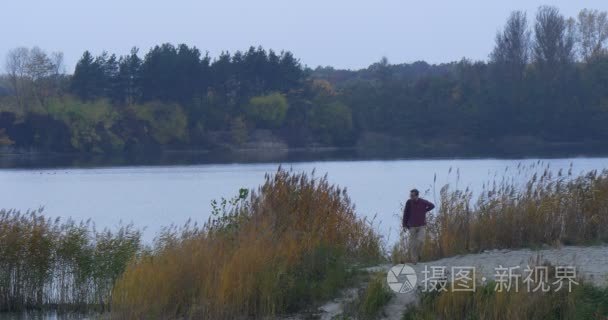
[{"x": 83, "y": 83}]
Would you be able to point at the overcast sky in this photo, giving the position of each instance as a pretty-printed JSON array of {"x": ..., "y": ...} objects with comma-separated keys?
[{"x": 341, "y": 33}]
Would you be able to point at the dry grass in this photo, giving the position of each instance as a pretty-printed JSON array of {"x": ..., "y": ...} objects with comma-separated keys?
[
  {"x": 550, "y": 209},
  {"x": 285, "y": 247},
  {"x": 292, "y": 243}
]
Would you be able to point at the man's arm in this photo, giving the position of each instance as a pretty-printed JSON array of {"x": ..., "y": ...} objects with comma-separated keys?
[
  {"x": 429, "y": 205},
  {"x": 406, "y": 214}
]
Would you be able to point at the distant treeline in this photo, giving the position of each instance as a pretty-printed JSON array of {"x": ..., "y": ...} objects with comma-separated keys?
[{"x": 545, "y": 84}]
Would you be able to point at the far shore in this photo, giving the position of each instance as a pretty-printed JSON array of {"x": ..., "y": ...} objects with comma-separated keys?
[{"x": 17, "y": 158}]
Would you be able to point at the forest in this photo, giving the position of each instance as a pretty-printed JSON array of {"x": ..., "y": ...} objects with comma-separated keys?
[{"x": 543, "y": 88}]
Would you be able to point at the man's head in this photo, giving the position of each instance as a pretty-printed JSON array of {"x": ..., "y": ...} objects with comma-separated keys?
[{"x": 414, "y": 193}]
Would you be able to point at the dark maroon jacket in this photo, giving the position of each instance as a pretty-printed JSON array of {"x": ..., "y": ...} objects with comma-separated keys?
[{"x": 414, "y": 214}]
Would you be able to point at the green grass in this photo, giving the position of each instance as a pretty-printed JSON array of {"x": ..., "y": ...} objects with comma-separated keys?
[
  {"x": 583, "y": 303},
  {"x": 376, "y": 296}
]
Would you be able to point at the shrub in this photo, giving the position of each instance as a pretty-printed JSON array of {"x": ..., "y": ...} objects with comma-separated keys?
[
  {"x": 332, "y": 123},
  {"x": 269, "y": 111},
  {"x": 166, "y": 123},
  {"x": 89, "y": 123},
  {"x": 283, "y": 247}
]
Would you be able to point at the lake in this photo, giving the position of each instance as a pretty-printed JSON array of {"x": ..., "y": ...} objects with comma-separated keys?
[{"x": 157, "y": 196}]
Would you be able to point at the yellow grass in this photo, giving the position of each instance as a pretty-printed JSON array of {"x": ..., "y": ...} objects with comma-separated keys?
[{"x": 286, "y": 246}]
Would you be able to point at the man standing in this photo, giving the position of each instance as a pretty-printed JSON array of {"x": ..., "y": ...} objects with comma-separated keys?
[{"x": 414, "y": 219}]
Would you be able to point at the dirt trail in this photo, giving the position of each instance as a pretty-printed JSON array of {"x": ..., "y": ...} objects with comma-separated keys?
[{"x": 591, "y": 265}]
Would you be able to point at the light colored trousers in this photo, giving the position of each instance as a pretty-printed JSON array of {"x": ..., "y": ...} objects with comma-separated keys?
[{"x": 415, "y": 242}]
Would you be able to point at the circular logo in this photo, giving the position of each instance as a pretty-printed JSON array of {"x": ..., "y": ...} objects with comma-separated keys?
[{"x": 402, "y": 278}]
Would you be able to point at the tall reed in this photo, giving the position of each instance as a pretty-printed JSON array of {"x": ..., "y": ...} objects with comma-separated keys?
[
  {"x": 549, "y": 209},
  {"x": 48, "y": 263},
  {"x": 290, "y": 244}
]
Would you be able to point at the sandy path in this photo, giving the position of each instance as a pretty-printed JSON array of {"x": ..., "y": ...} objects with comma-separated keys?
[{"x": 591, "y": 264}]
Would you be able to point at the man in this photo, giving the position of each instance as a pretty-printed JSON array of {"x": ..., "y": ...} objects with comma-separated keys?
[{"x": 414, "y": 220}]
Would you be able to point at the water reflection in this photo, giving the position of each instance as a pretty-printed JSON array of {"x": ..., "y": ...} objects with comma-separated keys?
[{"x": 48, "y": 315}]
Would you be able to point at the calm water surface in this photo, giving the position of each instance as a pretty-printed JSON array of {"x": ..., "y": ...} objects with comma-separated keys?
[{"x": 152, "y": 197}]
